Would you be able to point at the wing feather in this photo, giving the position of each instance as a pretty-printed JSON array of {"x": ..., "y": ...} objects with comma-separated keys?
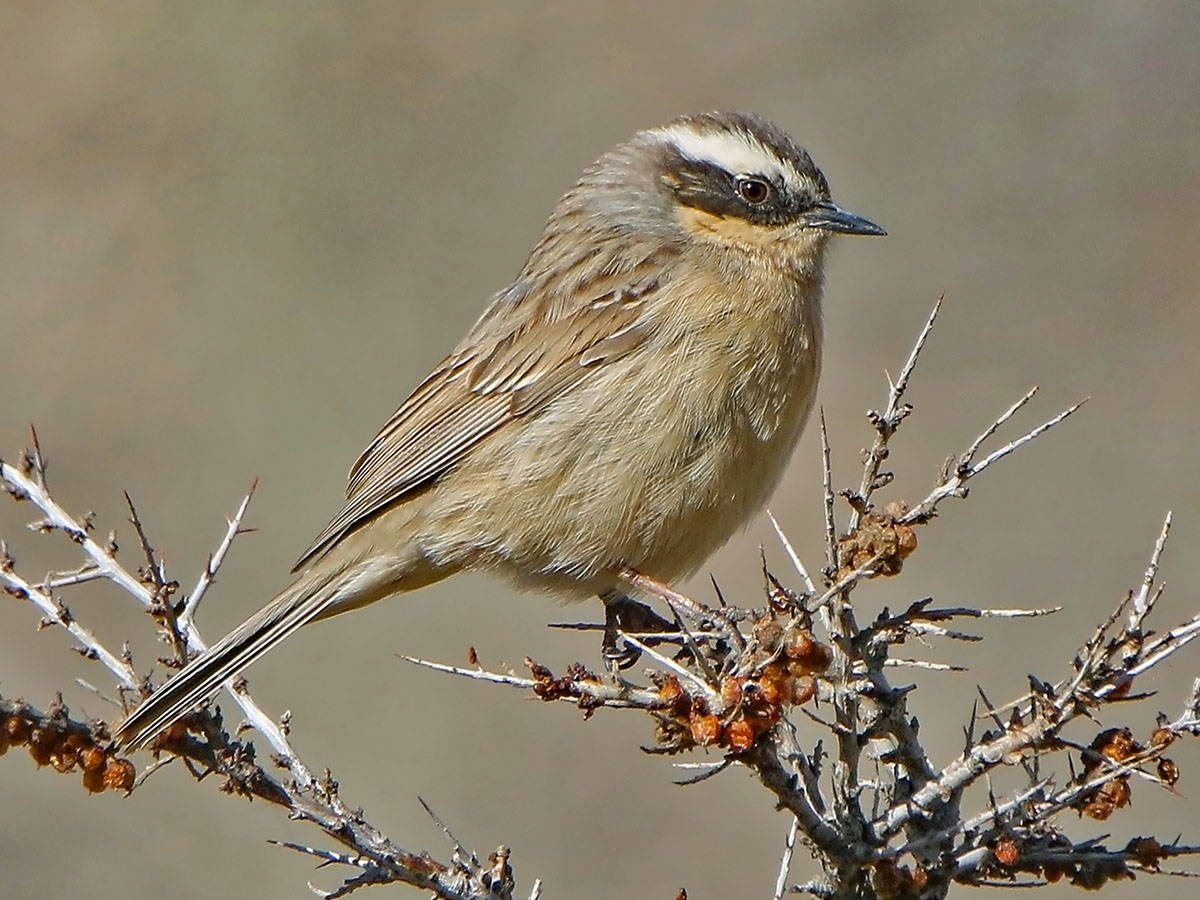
[{"x": 494, "y": 377}]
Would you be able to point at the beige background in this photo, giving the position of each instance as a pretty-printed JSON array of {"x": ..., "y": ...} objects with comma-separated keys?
[{"x": 233, "y": 236}]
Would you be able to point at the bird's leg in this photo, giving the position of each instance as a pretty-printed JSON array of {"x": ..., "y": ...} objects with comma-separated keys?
[
  {"x": 664, "y": 592},
  {"x": 622, "y": 614},
  {"x": 681, "y": 604}
]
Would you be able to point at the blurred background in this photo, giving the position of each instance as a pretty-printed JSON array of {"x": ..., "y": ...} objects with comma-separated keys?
[{"x": 232, "y": 238}]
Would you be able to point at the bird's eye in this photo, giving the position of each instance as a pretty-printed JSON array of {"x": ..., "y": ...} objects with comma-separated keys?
[{"x": 753, "y": 190}]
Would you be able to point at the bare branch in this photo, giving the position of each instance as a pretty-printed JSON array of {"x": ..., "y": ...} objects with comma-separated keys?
[
  {"x": 785, "y": 863},
  {"x": 192, "y": 604},
  {"x": 58, "y": 614},
  {"x": 792, "y": 555},
  {"x": 886, "y": 423},
  {"x": 955, "y": 482}
]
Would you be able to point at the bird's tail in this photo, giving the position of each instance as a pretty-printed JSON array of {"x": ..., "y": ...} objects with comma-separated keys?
[{"x": 314, "y": 595}]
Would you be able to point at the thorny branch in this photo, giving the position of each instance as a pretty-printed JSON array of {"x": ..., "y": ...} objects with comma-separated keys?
[
  {"x": 54, "y": 738},
  {"x": 903, "y": 832},
  {"x": 884, "y": 814}
]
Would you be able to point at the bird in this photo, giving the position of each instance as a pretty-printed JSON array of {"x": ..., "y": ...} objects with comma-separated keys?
[{"x": 625, "y": 405}]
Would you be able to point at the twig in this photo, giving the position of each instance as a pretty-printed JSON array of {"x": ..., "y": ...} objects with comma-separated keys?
[
  {"x": 954, "y": 485},
  {"x": 715, "y": 704},
  {"x": 192, "y": 604},
  {"x": 832, "y": 562},
  {"x": 785, "y": 863},
  {"x": 792, "y": 555},
  {"x": 886, "y": 424},
  {"x": 58, "y": 614},
  {"x": 1141, "y": 602}
]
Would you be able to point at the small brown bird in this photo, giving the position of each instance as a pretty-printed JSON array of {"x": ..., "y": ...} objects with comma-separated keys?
[{"x": 626, "y": 404}]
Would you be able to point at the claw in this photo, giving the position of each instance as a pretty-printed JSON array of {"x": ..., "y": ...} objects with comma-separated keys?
[{"x": 623, "y": 614}]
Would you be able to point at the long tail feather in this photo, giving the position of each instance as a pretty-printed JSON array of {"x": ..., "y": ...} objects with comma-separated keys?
[{"x": 296, "y": 606}]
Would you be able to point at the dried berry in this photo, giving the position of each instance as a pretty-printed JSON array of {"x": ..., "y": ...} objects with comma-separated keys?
[
  {"x": 1149, "y": 852},
  {"x": 1168, "y": 771},
  {"x": 671, "y": 692},
  {"x": 1007, "y": 852},
  {"x": 93, "y": 779},
  {"x": 706, "y": 730},
  {"x": 804, "y": 689},
  {"x": 17, "y": 728},
  {"x": 774, "y": 685},
  {"x": 92, "y": 759},
  {"x": 1161, "y": 737},
  {"x": 740, "y": 735},
  {"x": 64, "y": 759},
  {"x": 768, "y": 631},
  {"x": 42, "y": 742},
  {"x": 731, "y": 692},
  {"x": 119, "y": 775}
]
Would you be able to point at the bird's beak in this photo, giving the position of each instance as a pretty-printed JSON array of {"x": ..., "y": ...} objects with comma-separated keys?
[{"x": 828, "y": 217}]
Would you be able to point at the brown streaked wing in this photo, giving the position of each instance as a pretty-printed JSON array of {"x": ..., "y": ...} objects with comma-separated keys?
[{"x": 475, "y": 392}]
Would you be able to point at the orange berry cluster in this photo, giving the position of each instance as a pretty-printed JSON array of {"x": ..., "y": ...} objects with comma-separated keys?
[
  {"x": 54, "y": 740},
  {"x": 783, "y": 666},
  {"x": 892, "y": 881},
  {"x": 1093, "y": 873},
  {"x": 1052, "y": 856},
  {"x": 570, "y": 685},
  {"x": 1116, "y": 745},
  {"x": 881, "y": 538},
  {"x": 753, "y": 704}
]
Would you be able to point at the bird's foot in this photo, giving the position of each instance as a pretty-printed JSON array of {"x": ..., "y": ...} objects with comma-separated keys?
[{"x": 623, "y": 615}]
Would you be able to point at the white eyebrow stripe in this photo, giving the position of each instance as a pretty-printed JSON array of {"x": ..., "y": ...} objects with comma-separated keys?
[{"x": 731, "y": 151}]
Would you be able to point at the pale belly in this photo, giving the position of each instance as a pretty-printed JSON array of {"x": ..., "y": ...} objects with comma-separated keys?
[{"x": 629, "y": 469}]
